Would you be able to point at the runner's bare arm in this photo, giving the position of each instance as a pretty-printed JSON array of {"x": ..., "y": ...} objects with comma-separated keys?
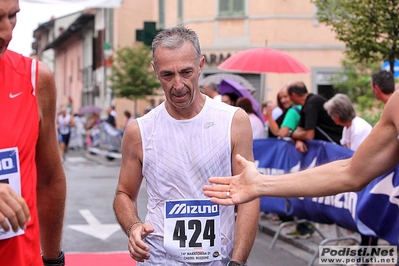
[
  {"x": 125, "y": 202},
  {"x": 51, "y": 183},
  {"x": 247, "y": 214}
]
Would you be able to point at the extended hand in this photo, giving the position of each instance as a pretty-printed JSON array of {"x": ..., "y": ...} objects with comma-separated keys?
[
  {"x": 236, "y": 189},
  {"x": 12, "y": 207}
]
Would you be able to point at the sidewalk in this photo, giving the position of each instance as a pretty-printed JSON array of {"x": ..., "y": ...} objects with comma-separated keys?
[{"x": 311, "y": 245}]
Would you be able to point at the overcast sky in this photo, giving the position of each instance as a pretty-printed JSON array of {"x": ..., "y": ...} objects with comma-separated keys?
[{"x": 31, "y": 15}]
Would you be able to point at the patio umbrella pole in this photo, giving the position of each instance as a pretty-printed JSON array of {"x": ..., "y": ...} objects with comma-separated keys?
[{"x": 262, "y": 89}]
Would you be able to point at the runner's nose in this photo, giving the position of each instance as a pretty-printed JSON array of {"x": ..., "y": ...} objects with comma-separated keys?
[
  {"x": 178, "y": 83},
  {"x": 6, "y": 27}
]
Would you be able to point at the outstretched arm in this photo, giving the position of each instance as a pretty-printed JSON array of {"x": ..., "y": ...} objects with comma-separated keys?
[
  {"x": 51, "y": 183},
  {"x": 243, "y": 187},
  {"x": 378, "y": 154}
]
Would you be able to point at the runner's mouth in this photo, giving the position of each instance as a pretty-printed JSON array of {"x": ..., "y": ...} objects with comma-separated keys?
[{"x": 180, "y": 95}]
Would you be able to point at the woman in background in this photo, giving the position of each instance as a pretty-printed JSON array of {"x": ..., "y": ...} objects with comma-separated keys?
[
  {"x": 288, "y": 120},
  {"x": 258, "y": 128}
]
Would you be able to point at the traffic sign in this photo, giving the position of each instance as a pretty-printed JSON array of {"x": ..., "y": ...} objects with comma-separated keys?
[{"x": 385, "y": 66}]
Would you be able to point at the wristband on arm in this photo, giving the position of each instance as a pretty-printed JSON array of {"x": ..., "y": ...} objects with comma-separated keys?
[
  {"x": 235, "y": 263},
  {"x": 130, "y": 227},
  {"x": 60, "y": 261}
]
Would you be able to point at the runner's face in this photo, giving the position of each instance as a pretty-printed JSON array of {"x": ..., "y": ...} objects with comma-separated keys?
[
  {"x": 178, "y": 70},
  {"x": 8, "y": 19}
]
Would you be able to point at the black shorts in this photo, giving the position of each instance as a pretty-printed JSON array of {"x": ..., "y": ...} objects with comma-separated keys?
[{"x": 65, "y": 138}]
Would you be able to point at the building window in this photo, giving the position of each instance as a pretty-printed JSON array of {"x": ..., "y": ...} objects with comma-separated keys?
[{"x": 231, "y": 8}]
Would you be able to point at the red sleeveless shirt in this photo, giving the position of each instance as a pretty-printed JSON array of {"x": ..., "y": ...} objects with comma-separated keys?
[{"x": 19, "y": 129}]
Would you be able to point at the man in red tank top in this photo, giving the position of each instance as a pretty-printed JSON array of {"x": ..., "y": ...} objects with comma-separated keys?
[{"x": 32, "y": 179}]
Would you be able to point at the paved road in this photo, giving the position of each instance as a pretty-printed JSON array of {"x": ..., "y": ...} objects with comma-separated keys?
[{"x": 91, "y": 225}]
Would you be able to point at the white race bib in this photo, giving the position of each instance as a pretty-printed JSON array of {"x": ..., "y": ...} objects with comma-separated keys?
[
  {"x": 192, "y": 230},
  {"x": 10, "y": 174}
]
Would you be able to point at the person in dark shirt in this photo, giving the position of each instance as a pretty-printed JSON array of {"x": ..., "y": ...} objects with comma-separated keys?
[
  {"x": 111, "y": 117},
  {"x": 288, "y": 120},
  {"x": 315, "y": 123}
]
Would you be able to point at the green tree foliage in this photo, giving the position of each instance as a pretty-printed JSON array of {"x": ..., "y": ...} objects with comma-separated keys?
[
  {"x": 355, "y": 81},
  {"x": 132, "y": 75},
  {"x": 369, "y": 28}
]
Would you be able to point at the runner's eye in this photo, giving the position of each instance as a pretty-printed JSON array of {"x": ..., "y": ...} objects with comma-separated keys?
[
  {"x": 187, "y": 73},
  {"x": 167, "y": 76}
]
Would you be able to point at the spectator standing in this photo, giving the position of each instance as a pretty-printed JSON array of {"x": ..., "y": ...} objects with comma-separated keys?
[
  {"x": 315, "y": 123},
  {"x": 211, "y": 89},
  {"x": 150, "y": 107},
  {"x": 276, "y": 109},
  {"x": 69, "y": 105},
  {"x": 230, "y": 98},
  {"x": 383, "y": 85},
  {"x": 190, "y": 137},
  {"x": 356, "y": 129},
  {"x": 78, "y": 132},
  {"x": 288, "y": 120},
  {"x": 129, "y": 118},
  {"x": 93, "y": 121},
  {"x": 258, "y": 127},
  {"x": 91, "y": 129},
  {"x": 283, "y": 126},
  {"x": 113, "y": 111},
  {"x": 33, "y": 189},
  {"x": 65, "y": 123},
  {"x": 111, "y": 116},
  {"x": 152, "y": 104}
]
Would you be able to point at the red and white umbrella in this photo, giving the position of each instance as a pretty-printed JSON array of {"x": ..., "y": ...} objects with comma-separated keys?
[{"x": 263, "y": 60}]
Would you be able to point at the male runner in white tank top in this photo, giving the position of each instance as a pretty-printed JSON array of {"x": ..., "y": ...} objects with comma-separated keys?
[{"x": 176, "y": 147}]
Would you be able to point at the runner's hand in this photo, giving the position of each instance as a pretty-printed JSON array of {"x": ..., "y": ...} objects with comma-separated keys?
[
  {"x": 12, "y": 208},
  {"x": 138, "y": 249}
]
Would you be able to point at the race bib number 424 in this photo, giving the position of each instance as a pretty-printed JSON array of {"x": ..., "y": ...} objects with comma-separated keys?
[{"x": 192, "y": 230}]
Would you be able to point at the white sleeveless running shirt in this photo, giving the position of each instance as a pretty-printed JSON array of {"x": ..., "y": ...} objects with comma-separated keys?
[
  {"x": 63, "y": 122},
  {"x": 178, "y": 158}
]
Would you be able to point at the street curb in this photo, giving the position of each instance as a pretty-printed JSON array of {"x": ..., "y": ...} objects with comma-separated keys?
[{"x": 101, "y": 159}]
